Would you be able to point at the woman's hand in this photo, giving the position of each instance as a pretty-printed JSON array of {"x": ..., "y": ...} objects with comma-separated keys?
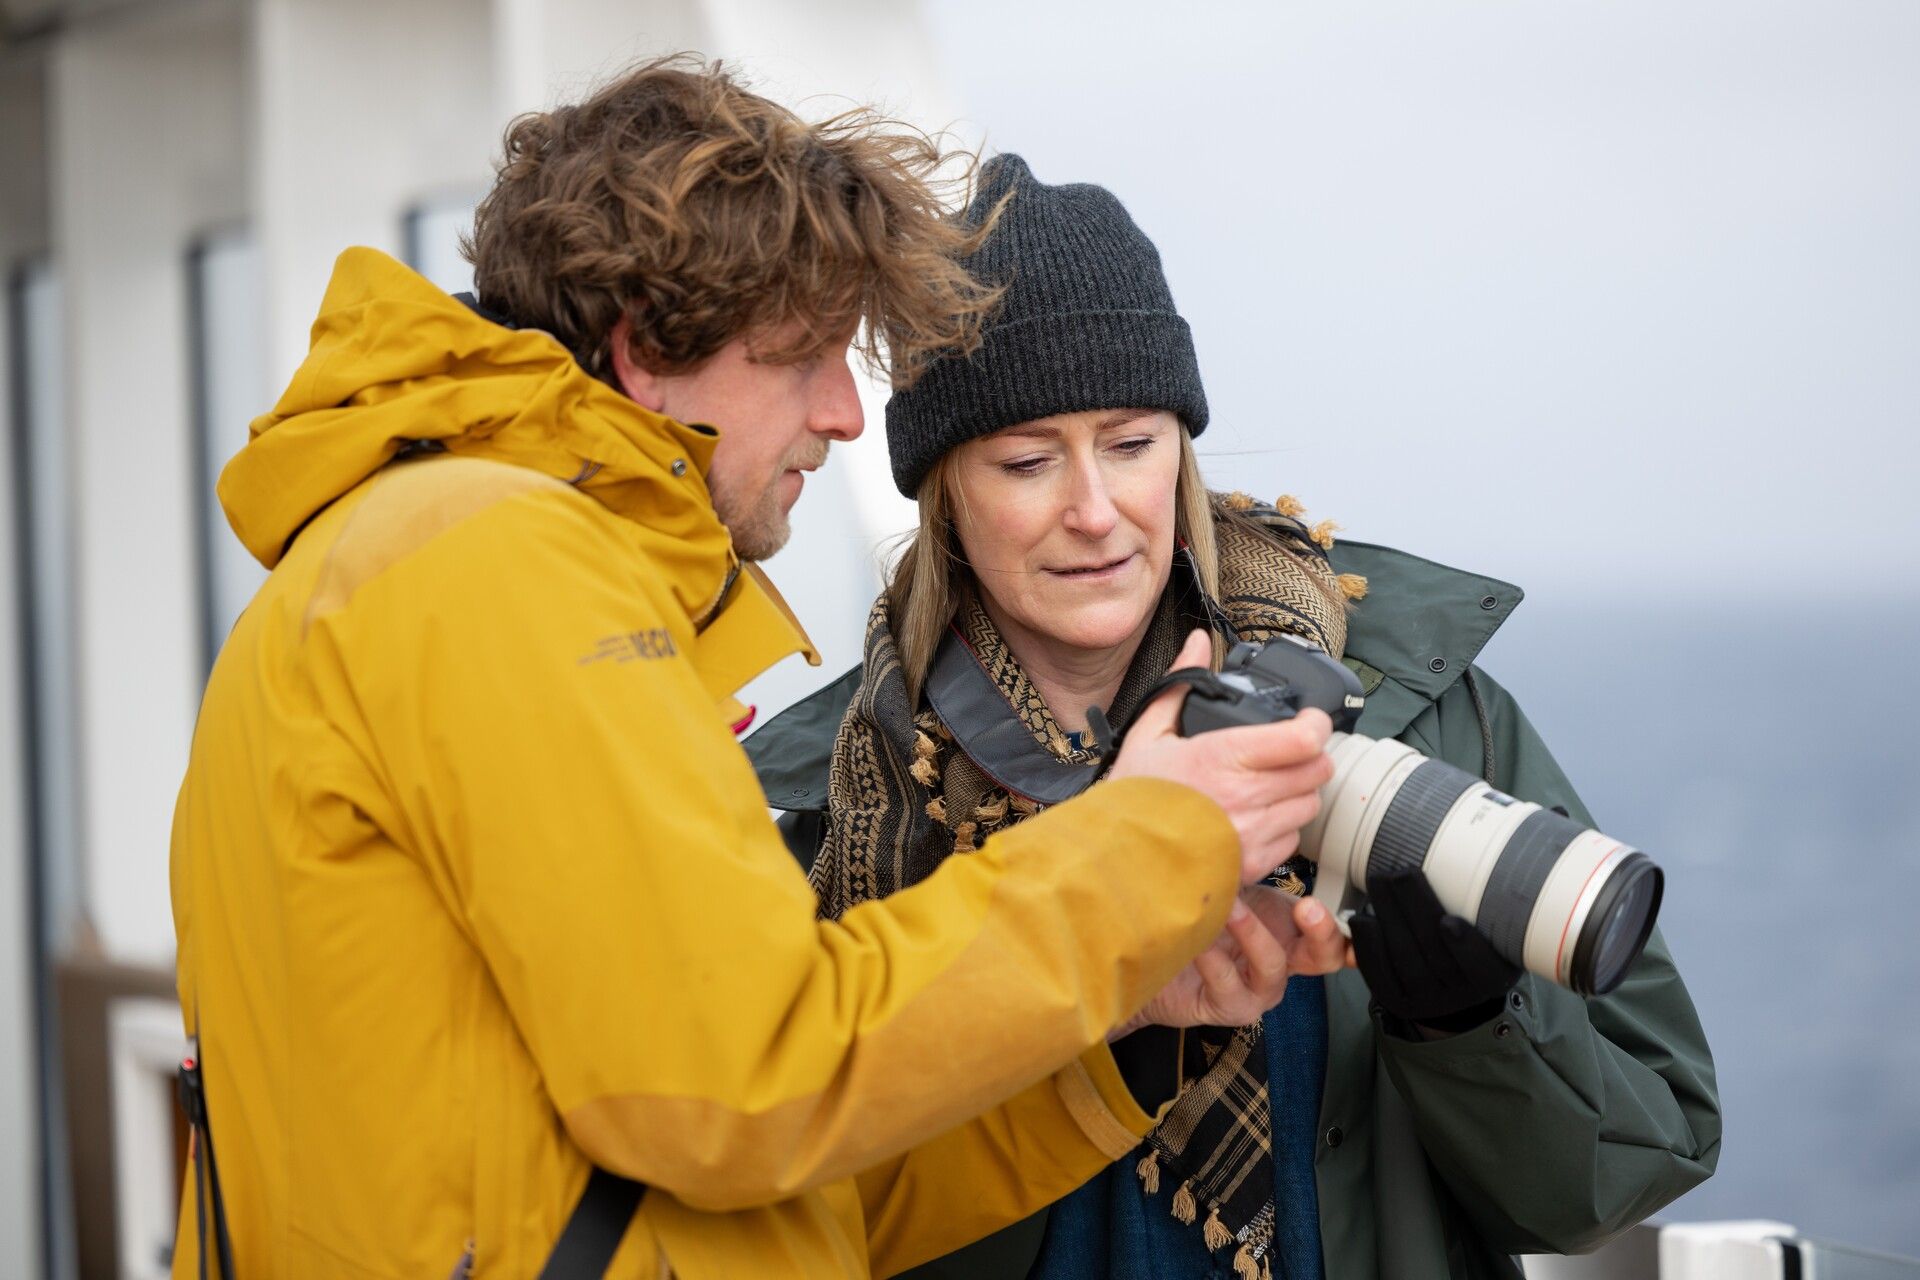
[
  {"x": 1266, "y": 776},
  {"x": 1270, "y": 936}
]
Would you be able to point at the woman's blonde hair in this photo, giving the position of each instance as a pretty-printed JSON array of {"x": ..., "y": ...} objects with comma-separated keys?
[{"x": 929, "y": 574}]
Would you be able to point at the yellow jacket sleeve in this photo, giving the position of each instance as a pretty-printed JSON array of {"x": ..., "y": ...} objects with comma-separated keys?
[
  {"x": 1002, "y": 1166},
  {"x": 602, "y": 841}
]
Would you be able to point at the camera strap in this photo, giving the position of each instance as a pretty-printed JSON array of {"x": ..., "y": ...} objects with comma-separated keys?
[
  {"x": 206, "y": 1169},
  {"x": 984, "y": 725},
  {"x": 1203, "y": 682}
]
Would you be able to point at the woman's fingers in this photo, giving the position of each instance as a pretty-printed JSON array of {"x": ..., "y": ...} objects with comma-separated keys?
[
  {"x": 1320, "y": 947},
  {"x": 1263, "y": 956}
]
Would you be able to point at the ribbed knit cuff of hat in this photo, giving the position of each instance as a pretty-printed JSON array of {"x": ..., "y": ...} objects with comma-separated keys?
[{"x": 1040, "y": 367}]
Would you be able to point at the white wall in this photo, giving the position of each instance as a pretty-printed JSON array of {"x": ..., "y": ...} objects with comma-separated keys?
[
  {"x": 148, "y": 146},
  {"x": 360, "y": 109},
  {"x": 551, "y": 51}
]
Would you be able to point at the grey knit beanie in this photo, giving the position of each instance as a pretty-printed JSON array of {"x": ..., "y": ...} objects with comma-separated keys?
[{"x": 1087, "y": 322}]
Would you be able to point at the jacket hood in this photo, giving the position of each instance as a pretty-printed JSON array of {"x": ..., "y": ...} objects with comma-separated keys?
[{"x": 395, "y": 360}]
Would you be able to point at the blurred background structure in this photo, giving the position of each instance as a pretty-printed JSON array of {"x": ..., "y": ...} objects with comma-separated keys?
[{"x": 1619, "y": 302}]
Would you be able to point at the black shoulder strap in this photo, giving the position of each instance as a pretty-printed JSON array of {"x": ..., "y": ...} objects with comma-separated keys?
[
  {"x": 583, "y": 1252},
  {"x": 592, "y": 1235},
  {"x": 206, "y": 1170}
]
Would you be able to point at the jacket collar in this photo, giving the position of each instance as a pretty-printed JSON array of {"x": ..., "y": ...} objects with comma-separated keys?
[
  {"x": 753, "y": 629},
  {"x": 1417, "y": 631}
]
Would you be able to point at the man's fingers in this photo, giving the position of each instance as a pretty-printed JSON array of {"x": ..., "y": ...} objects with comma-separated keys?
[
  {"x": 1219, "y": 976},
  {"x": 1260, "y": 858},
  {"x": 1274, "y": 835},
  {"x": 1276, "y": 745},
  {"x": 1162, "y": 715},
  {"x": 1271, "y": 786}
]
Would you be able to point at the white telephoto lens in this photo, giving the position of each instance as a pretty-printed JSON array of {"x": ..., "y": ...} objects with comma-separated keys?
[{"x": 1563, "y": 901}]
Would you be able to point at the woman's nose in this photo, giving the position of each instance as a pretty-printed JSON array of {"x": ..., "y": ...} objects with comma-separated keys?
[{"x": 1090, "y": 510}]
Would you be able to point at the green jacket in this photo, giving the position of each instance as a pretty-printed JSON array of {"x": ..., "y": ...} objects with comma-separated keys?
[{"x": 1551, "y": 1128}]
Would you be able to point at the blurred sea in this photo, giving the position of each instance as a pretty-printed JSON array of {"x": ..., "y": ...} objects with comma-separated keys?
[{"x": 1767, "y": 759}]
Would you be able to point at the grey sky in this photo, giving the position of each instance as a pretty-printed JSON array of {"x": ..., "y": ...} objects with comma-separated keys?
[{"x": 1592, "y": 296}]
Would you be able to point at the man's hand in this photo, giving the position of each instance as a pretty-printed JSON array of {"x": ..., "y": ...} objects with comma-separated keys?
[
  {"x": 1267, "y": 777},
  {"x": 1270, "y": 936}
]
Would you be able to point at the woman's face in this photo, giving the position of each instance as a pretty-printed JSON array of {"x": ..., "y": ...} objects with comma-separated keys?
[{"x": 1068, "y": 523}]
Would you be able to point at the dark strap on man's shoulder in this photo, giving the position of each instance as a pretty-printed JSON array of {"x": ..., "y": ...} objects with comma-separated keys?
[{"x": 592, "y": 1235}]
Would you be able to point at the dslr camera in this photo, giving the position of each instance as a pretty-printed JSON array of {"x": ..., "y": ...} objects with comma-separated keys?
[{"x": 1558, "y": 899}]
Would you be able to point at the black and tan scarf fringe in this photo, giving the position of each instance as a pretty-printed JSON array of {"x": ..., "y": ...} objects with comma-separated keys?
[{"x": 902, "y": 798}]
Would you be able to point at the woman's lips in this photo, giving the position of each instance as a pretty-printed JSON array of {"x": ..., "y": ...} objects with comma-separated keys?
[{"x": 1097, "y": 573}]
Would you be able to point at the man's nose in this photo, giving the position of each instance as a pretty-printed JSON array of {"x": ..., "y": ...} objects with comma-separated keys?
[
  {"x": 1090, "y": 510},
  {"x": 836, "y": 412}
]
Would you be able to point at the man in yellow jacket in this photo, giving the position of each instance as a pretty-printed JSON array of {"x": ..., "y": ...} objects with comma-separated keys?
[{"x": 475, "y": 892}]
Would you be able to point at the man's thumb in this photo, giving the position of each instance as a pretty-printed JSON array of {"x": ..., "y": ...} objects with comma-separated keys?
[{"x": 1162, "y": 715}]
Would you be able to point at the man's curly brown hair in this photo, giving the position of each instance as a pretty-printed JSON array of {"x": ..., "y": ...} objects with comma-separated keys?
[{"x": 704, "y": 212}]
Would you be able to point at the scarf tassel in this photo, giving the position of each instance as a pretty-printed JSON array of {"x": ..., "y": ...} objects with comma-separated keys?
[
  {"x": 1149, "y": 1171},
  {"x": 1215, "y": 1232},
  {"x": 963, "y": 837},
  {"x": 926, "y": 760},
  {"x": 1245, "y": 1265},
  {"x": 1184, "y": 1207},
  {"x": 1352, "y": 586}
]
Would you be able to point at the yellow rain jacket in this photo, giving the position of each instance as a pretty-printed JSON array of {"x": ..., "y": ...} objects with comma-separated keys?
[{"x": 473, "y": 885}]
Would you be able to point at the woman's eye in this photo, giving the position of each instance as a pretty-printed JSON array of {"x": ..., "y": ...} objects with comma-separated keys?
[
  {"x": 1023, "y": 466},
  {"x": 1134, "y": 448}
]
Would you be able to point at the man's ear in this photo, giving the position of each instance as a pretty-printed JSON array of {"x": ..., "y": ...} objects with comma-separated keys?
[{"x": 641, "y": 384}]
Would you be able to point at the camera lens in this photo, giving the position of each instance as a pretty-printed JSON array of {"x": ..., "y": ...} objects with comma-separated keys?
[
  {"x": 1617, "y": 926},
  {"x": 1557, "y": 898}
]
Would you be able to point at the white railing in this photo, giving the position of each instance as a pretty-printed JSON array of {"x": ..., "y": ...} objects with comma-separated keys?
[{"x": 1756, "y": 1250}]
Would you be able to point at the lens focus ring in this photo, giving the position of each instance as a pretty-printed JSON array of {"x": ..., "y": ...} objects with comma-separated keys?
[
  {"x": 1413, "y": 816},
  {"x": 1531, "y": 853}
]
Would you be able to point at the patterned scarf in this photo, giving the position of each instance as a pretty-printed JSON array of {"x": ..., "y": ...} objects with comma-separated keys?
[{"x": 902, "y": 797}]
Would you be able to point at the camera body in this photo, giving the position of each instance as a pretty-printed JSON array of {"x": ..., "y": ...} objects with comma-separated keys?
[
  {"x": 1564, "y": 901},
  {"x": 1261, "y": 683}
]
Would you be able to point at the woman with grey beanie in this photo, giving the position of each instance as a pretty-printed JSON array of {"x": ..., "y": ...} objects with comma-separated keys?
[{"x": 1411, "y": 1119}]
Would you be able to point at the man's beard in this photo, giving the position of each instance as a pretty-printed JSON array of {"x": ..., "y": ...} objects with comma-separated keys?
[{"x": 757, "y": 522}]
